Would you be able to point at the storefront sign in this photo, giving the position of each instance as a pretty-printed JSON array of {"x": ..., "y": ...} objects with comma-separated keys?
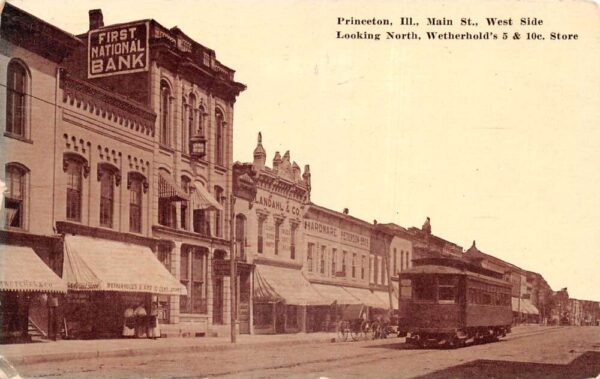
[
  {"x": 329, "y": 231},
  {"x": 278, "y": 203},
  {"x": 26, "y": 285},
  {"x": 118, "y": 50}
]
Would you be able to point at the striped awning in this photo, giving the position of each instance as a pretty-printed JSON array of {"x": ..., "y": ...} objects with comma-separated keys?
[
  {"x": 202, "y": 199},
  {"x": 274, "y": 284},
  {"x": 94, "y": 264},
  {"x": 169, "y": 189},
  {"x": 367, "y": 297},
  {"x": 335, "y": 294},
  {"x": 22, "y": 270}
]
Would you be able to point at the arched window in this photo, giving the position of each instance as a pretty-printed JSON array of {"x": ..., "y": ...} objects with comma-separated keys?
[
  {"x": 165, "y": 113},
  {"x": 15, "y": 196},
  {"x": 192, "y": 117},
  {"x": 219, "y": 124},
  {"x": 16, "y": 100},
  {"x": 219, "y": 214},
  {"x": 240, "y": 236},
  {"x": 201, "y": 120},
  {"x": 186, "y": 185}
]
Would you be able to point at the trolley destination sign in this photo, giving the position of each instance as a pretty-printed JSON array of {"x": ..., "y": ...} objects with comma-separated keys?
[{"x": 120, "y": 49}]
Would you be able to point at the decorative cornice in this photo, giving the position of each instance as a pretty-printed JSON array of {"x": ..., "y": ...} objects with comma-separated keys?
[{"x": 108, "y": 105}]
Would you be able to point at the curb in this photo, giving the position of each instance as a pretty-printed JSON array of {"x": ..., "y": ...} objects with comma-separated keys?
[{"x": 133, "y": 352}]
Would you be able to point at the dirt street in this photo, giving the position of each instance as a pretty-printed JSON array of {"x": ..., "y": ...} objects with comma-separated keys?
[{"x": 565, "y": 352}]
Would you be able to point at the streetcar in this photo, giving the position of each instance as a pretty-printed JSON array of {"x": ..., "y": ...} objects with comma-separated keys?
[{"x": 453, "y": 302}]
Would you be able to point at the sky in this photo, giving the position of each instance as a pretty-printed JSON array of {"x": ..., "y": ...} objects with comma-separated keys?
[{"x": 496, "y": 141}]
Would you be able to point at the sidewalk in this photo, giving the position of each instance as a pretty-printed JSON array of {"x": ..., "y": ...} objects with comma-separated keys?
[{"x": 52, "y": 351}]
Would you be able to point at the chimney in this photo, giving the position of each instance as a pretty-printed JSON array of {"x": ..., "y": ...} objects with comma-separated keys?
[
  {"x": 346, "y": 211},
  {"x": 96, "y": 19}
]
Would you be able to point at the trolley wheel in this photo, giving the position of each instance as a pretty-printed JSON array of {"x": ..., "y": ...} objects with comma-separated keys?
[
  {"x": 356, "y": 331},
  {"x": 343, "y": 330},
  {"x": 370, "y": 329}
]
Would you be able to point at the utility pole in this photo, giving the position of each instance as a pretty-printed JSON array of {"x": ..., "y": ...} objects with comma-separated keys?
[{"x": 232, "y": 261}]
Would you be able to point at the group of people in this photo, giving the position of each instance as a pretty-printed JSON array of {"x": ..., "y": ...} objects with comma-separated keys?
[{"x": 137, "y": 323}]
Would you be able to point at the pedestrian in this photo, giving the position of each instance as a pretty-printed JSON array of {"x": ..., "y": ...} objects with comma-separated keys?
[
  {"x": 141, "y": 323},
  {"x": 129, "y": 322},
  {"x": 153, "y": 327}
]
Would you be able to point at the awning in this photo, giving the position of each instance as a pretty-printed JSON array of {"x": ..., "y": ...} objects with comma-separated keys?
[
  {"x": 22, "y": 270},
  {"x": 93, "y": 264},
  {"x": 367, "y": 297},
  {"x": 385, "y": 297},
  {"x": 335, "y": 293},
  {"x": 525, "y": 306},
  {"x": 274, "y": 284},
  {"x": 202, "y": 199},
  {"x": 169, "y": 189},
  {"x": 529, "y": 307}
]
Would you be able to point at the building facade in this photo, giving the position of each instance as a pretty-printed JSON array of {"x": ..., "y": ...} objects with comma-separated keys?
[
  {"x": 190, "y": 169},
  {"x": 269, "y": 224}
]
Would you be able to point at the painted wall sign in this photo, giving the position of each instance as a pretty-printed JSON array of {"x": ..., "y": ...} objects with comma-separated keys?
[{"x": 115, "y": 50}]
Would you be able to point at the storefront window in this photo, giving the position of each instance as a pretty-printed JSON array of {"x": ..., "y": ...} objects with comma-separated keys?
[{"x": 193, "y": 277}]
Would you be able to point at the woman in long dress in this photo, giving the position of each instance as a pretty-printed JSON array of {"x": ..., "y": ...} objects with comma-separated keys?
[
  {"x": 140, "y": 321},
  {"x": 129, "y": 322},
  {"x": 154, "y": 328}
]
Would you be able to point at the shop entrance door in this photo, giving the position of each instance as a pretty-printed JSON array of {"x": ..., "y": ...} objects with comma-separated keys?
[
  {"x": 218, "y": 301},
  {"x": 244, "y": 303}
]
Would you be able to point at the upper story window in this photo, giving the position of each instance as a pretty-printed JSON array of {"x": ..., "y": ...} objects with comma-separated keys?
[
  {"x": 395, "y": 266},
  {"x": 75, "y": 168},
  {"x": 107, "y": 197},
  {"x": 344, "y": 256},
  {"x": 259, "y": 242},
  {"x": 309, "y": 256},
  {"x": 322, "y": 260},
  {"x": 165, "y": 113},
  {"x": 218, "y": 213},
  {"x": 363, "y": 262},
  {"x": 186, "y": 185},
  {"x": 294, "y": 228},
  {"x": 15, "y": 196},
  {"x": 354, "y": 265},
  {"x": 219, "y": 126},
  {"x": 240, "y": 236},
  {"x": 333, "y": 260},
  {"x": 277, "y": 235},
  {"x": 16, "y": 99},
  {"x": 135, "y": 204}
]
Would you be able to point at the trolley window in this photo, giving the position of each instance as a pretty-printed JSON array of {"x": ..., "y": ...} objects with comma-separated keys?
[
  {"x": 447, "y": 288},
  {"x": 424, "y": 288},
  {"x": 405, "y": 289}
]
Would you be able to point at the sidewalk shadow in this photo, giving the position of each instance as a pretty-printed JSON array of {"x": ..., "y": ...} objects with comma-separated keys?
[{"x": 586, "y": 365}]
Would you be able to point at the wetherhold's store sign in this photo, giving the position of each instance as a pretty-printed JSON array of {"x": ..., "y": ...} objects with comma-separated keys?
[{"x": 115, "y": 50}]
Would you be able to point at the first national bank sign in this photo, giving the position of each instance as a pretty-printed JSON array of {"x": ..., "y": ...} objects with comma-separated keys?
[{"x": 120, "y": 49}]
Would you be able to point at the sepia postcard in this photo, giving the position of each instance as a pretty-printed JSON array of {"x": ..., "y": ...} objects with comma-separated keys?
[{"x": 304, "y": 189}]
